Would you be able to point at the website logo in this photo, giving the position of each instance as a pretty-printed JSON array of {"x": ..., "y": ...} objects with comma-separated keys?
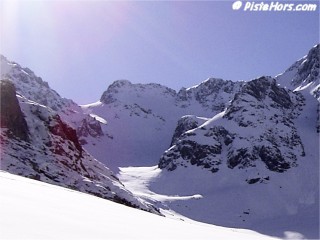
[{"x": 251, "y": 6}]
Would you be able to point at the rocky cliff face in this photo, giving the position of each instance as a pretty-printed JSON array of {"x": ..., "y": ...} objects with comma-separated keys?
[
  {"x": 256, "y": 126},
  {"x": 11, "y": 116},
  {"x": 89, "y": 127},
  {"x": 212, "y": 94},
  {"x": 185, "y": 124}
]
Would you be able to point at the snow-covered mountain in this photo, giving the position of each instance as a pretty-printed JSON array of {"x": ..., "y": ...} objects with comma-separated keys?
[
  {"x": 258, "y": 160},
  {"x": 142, "y": 117},
  {"x": 37, "y": 143},
  {"x": 33, "y": 88},
  {"x": 257, "y": 126},
  {"x": 250, "y": 149},
  {"x": 236, "y": 154}
]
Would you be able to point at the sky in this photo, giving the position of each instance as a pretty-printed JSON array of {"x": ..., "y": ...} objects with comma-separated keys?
[{"x": 81, "y": 47}]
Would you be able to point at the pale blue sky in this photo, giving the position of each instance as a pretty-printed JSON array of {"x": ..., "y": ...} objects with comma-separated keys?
[{"x": 80, "y": 47}]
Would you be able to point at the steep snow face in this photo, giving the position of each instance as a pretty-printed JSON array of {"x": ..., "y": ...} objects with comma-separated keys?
[
  {"x": 34, "y": 210},
  {"x": 141, "y": 118}
]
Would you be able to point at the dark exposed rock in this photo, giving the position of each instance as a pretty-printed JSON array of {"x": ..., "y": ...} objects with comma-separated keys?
[
  {"x": 11, "y": 114},
  {"x": 184, "y": 124},
  {"x": 64, "y": 131},
  {"x": 309, "y": 69},
  {"x": 258, "y": 179},
  {"x": 273, "y": 159},
  {"x": 257, "y": 88},
  {"x": 212, "y": 94},
  {"x": 219, "y": 133},
  {"x": 280, "y": 96},
  {"x": 260, "y": 89},
  {"x": 194, "y": 152},
  {"x": 253, "y": 180},
  {"x": 240, "y": 156},
  {"x": 89, "y": 127},
  {"x": 182, "y": 95},
  {"x": 189, "y": 151}
]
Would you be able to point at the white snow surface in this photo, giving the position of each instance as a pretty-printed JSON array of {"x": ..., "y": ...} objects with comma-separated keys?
[
  {"x": 34, "y": 210},
  {"x": 195, "y": 193}
]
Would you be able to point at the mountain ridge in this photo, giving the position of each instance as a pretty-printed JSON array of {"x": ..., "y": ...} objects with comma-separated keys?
[{"x": 248, "y": 148}]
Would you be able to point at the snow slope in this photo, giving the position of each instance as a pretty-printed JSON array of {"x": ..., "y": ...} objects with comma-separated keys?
[
  {"x": 34, "y": 210},
  {"x": 183, "y": 194}
]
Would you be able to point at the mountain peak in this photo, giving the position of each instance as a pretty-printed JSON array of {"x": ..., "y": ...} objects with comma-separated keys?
[
  {"x": 32, "y": 87},
  {"x": 304, "y": 73},
  {"x": 120, "y": 90}
]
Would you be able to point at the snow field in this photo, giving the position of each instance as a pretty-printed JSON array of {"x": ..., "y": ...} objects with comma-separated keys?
[{"x": 36, "y": 210}]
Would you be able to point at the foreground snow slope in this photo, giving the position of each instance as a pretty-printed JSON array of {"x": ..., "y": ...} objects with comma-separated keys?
[{"x": 34, "y": 210}]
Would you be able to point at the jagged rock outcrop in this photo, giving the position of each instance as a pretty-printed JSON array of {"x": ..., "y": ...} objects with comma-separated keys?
[
  {"x": 185, "y": 124},
  {"x": 89, "y": 127},
  {"x": 257, "y": 126},
  {"x": 212, "y": 94},
  {"x": 11, "y": 116}
]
